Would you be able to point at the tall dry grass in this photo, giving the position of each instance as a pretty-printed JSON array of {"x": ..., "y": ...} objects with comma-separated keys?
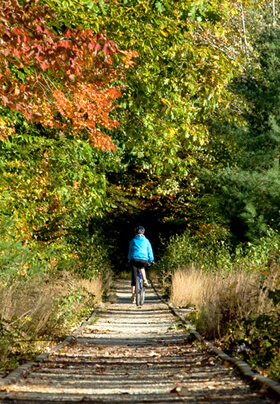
[
  {"x": 34, "y": 300},
  {"x": 218, "y": 299},
  {"x": 42, "y": 309}
]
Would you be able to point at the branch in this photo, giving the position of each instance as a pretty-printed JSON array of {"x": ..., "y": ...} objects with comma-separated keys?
[{"x": 9, "y": 325}]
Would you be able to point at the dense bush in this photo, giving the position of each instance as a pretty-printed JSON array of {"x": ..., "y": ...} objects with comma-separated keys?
[
  {"x": 213, "y": 251},
  {"x": 79, "y": 253}
]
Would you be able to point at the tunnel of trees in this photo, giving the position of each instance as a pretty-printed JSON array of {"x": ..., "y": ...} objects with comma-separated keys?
[{"x": 118, "y": 113}]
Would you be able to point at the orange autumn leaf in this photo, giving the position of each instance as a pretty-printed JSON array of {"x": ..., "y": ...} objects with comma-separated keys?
[{"x": 71, "y": 76}]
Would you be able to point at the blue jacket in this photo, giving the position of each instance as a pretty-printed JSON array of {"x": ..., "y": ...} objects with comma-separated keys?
[{"x": 140, "y": 249}]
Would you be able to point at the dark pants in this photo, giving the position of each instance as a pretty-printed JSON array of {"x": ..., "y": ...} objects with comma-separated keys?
[{"x": 136, "y": 265}]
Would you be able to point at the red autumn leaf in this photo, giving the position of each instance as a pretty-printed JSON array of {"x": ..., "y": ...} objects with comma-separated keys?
[
  {"x": 45, "y": 65},
  {"x": 5, "y": 100},
  {"x": 105, "y": 49},
  {"x": 97, "y": 48},
  {"x": 38, "y": 28},
  {"x": 16, "y": 53},
  {"x": 92, "y": 45},
  {"x": 65, "y": 43},
  {"x": 67, "y": 33}
]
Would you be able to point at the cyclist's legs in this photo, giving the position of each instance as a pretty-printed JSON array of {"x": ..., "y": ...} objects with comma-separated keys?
[
  {"x": 143, "y": 272},
  {"x": 136, "y": 266}
]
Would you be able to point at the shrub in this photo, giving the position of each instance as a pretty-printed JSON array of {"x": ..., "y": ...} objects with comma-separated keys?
[
  {"x": 36, "y": 311},
  {"x": 213, "y": 252},
  {"x": 45, "y": 288},
  {"x": 238, "y": 304},
  {"x": 235, "y": 291}
]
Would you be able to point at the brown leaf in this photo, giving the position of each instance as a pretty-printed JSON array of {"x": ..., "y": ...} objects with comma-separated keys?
[{"x": 182, "y": 391}]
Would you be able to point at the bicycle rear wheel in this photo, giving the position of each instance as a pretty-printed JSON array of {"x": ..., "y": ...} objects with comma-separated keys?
[
  {"x": 138, "y": 291},
  {"x": 142, "y": 294}
]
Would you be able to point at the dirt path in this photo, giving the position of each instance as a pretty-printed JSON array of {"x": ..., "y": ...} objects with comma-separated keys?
[{"x": 132, "y": 355}]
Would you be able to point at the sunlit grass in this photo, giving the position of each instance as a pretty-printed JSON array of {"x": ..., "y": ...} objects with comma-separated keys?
[
  {"x": 38, "y": 311},
  {"x": 218, "y": 299}
]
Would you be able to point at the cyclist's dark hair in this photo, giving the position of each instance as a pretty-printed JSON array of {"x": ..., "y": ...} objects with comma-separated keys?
[{"x": 139, "y": 230}]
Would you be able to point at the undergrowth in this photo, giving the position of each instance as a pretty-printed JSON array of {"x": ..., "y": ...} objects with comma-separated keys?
[
  {"x": 37, "y": 312},
  {"x": 235, "y": 293},
  {"x": 46, "y": 289}
]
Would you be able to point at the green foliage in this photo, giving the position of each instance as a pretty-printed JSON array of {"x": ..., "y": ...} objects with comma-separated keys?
[
  {"x": 13, "y": 254},
  {"x": 65, "y": 307},
  {"x": 213, "y": 251},
  {"x": 51, "y": 182},
  {"x": 50, "y": 187},
  {"x": 185, "y": 250},
  {"x": 178, "y": 82},
  {"x": 245, "y": 188},
  {"x": 91, "y": 257}
]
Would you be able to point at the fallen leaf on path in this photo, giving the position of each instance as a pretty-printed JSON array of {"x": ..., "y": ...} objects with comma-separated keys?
[
  {"x": 154, "y": 354},
  {"x": 263, "y": 390}
]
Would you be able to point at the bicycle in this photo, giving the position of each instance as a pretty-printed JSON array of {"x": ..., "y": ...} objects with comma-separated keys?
[{"x": 140, "y": 290}]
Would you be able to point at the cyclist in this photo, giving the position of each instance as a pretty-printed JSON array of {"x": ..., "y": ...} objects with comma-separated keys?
[{"x": 140, "y": 255}]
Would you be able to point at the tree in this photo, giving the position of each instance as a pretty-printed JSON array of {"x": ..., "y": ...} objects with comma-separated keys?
[
  {"x": 176, "y": 85},
  {"x": 247, "y": 190},
  {"x": 66, "y": 80},
  {"x": 57, "y": 94}
]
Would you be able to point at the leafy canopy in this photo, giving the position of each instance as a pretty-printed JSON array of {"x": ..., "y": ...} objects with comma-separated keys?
[{"x": 64, "y": 80}]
